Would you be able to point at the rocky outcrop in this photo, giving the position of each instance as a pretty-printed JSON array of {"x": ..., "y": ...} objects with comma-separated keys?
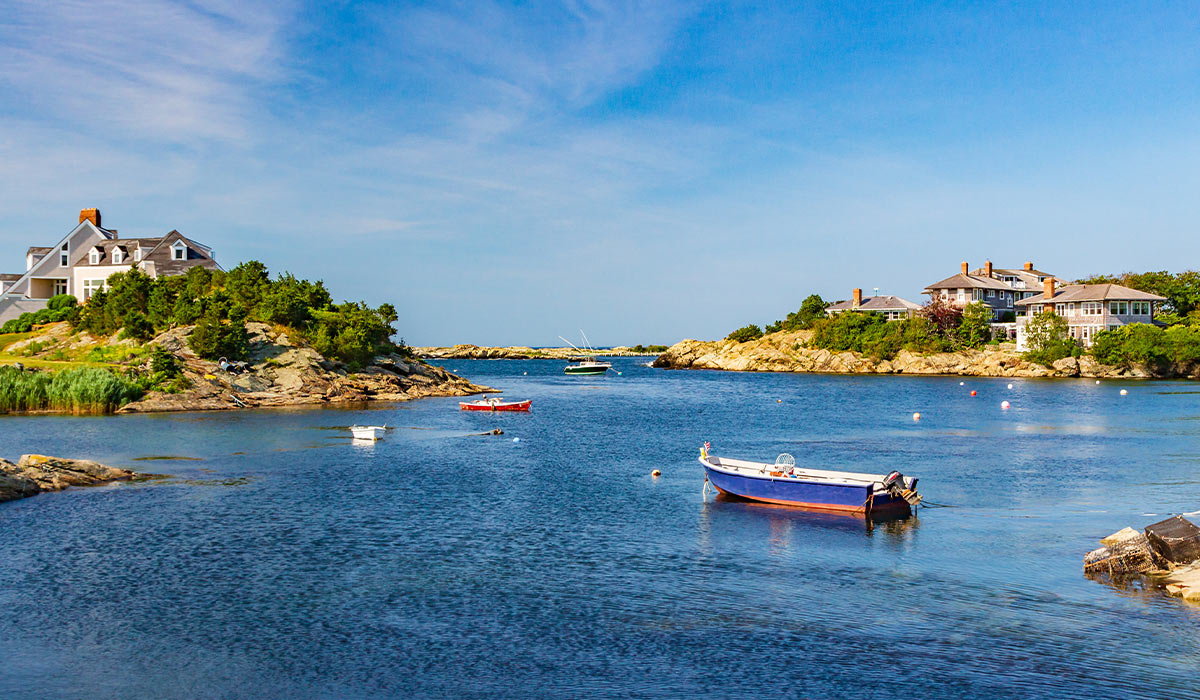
[
  {"x": 787, "y": 352},
  {"x": 283, "y": 372},
  {"x": 516, "y": 352},
  {"x": 35, "y": 474}
]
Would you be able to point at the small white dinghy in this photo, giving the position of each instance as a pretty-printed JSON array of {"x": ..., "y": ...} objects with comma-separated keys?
[{"x": 367, "y": 432}]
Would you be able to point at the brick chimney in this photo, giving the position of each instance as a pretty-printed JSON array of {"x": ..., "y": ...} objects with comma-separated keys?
[
  {"x": 1048, "y": 288},
  {"x": 857, "y": 297},
  {"x": 965, "y": 267},
  {"x": 1029, "y": 267},
  {"x": 987, "y": 269},
  {"x": 92, "y": 215}
]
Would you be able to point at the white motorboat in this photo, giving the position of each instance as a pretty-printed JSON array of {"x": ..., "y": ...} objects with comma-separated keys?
[{"x": 367, "y": 432}]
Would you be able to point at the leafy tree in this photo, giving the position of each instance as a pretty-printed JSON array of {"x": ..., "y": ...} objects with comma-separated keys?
[
  {"x": 1047, "y": 339},
  {"x": 247, "y": 283},
  {"x": 213, "y": 339},
  {"x": 137, "y": 327},
  {"x": 1182, "y": 290},
  {"x": 811, "y": 310},
  {"x": 944, "y": 315},
  {"x": 745, "y": 334},
  {"x": 291, "y": 301},
  {"x": 975, "y": 330}
]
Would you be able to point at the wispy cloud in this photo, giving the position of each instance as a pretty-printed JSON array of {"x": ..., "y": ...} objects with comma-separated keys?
[{"x": 171, "y": 70}]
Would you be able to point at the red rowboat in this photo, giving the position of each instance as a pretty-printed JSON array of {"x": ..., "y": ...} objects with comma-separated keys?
[{"x": 495, "y": 405}]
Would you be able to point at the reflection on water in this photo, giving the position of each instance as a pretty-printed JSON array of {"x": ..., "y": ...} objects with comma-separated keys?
[{"x": 293, "y": 563}]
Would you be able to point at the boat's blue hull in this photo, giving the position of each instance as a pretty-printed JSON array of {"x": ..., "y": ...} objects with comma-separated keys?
[{"x": 843, "y": 498}]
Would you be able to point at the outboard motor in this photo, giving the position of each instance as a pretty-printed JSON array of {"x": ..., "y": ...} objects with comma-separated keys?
[{"x": 901, "y": 486}]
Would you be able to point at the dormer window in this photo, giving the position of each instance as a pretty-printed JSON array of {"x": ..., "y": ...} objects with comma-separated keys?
[
  {"x": 179, "y": 251},
  {"x": 117, "y": 256},
  {"x": 137, "y": 254},
  {"x": 94, "y": 257}
]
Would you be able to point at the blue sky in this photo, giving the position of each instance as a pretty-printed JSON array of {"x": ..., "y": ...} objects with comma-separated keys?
[{"x": 508, "y": 172}]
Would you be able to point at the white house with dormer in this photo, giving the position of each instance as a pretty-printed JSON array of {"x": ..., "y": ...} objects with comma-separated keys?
[{"x": 83, "y": 260}]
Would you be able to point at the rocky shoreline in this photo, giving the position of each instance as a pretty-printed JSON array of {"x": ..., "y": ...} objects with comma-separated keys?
[
  {"x": 786, "y": 352},
  {"x": 281, "y": 372},
  {"x": 35, "y": 474},
  {"x": 517, "y": 352}
]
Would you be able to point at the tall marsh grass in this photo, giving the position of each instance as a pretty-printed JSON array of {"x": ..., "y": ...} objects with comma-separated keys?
[{"x": 82, "y": 390}]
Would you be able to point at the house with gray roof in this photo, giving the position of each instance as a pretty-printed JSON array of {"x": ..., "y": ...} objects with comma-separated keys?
[
  {"x": 892, "y": 307},
  {"x": 999, "y": 288},
  {"x": 82, "y": 261},
  {"x": 1087, "y": 308}
]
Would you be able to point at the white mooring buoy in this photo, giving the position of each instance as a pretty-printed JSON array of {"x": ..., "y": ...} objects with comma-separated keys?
[
  {"x": 1124, "y": 392},
  {"x": 916, "y": 416},
  {"x": 1004, "y": 404}
]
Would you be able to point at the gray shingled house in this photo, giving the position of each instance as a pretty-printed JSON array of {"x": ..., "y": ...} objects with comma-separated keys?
[
  {"x": 82, "y": 261},
  {"x": 892, "y": 307},
  {"x": 999, "y": 288},
  {"x": 1088, "y": 308}
]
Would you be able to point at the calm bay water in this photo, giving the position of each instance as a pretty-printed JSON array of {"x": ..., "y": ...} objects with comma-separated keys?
[{"x": 284, "y": 561}]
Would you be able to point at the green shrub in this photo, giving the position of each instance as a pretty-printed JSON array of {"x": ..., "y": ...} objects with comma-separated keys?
[
  {"x": 353, "y": 333},
  {"x": 873, "y": 335},
  {"x": 59, "y": 302},
  {"x": 975, "y": 330},
  {"x": 58, "y": 308},
  {"x": 1047, "y": 339},
  {"x": 1140, "y": 343},
  {"x": 745, "y": 334}
]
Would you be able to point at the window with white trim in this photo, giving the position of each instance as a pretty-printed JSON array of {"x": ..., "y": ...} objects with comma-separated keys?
[
  {"x": 1092, "y": 308},
  {"x": 94, "y": 257},
  {"x": 1118, "y": 307},
  {"x": 91, "y": 286},
  {"x": 137, "y": 254},
  {"x": 117, "y": 256},
  {"x": 179, "y": 251},
  {"x": 1139, "y": 308},
  {"x": 64, "y": 255},
  {"x": 1060, "y": 309},
  {"x": 991, "y": 293}
]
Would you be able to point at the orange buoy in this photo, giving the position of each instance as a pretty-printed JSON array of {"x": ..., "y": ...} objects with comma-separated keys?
[
  {"x": 973, "y": 392},
  {"x": 656, "y": 473},
  {"x": 916, "y": 416}
]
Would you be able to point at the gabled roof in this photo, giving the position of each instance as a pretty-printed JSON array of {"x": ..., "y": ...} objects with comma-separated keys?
[
  {"x": 46, "y": 259},
  {"x": 38, "y": 250},
  {"x": 961, "y": 281},
  {"x": 1092, "y": 292},
  {"x": 106, "y": 248},
  {"x": 879, "y": 303}
]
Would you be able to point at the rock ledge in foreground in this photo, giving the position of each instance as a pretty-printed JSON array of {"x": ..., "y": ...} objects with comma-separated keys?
[{"x": 34, "y": 474}]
